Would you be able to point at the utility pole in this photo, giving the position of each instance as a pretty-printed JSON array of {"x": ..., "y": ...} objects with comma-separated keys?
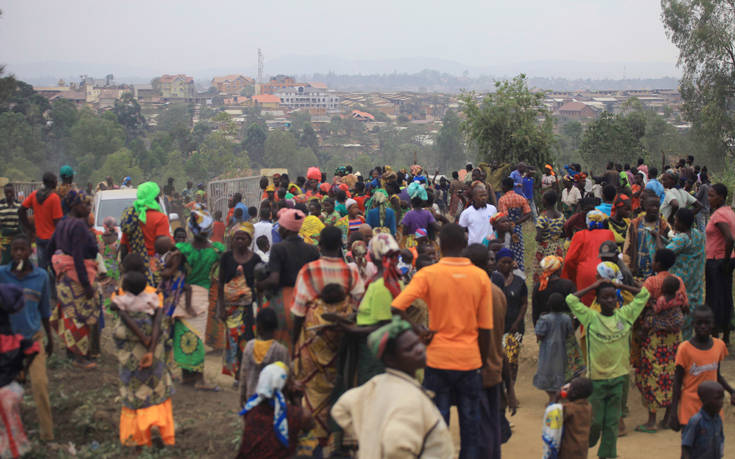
[{"x": 260, "y": 66}]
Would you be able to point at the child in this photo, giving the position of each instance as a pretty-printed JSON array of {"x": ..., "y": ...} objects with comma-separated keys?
[
  {"x": 703, "y": 436},
  {"x": 146, "y": 385},
  {"x": 252, "y": 214},
  {"x": 238, "y": 216},
  {"x": 109, "y": 246},
  {"x": 259, "y": 353},
  {"x": 179, "y": 235},
  {"x": 218, "y": 228},
  {"x": 391, "y": 415},
  {"x": 16, "y": 356},
  {"x": 608, "y": 355},
  {"x": 697, "y": 360},
  {"x": 671, "y": 296},
  {"x": 577, "y": 419},
  {"x": 552, "y": 330},
  {"x": 263, "y": 248}
]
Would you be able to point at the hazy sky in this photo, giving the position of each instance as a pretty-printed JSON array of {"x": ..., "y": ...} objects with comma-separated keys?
[{"x": 187, "y": 36}]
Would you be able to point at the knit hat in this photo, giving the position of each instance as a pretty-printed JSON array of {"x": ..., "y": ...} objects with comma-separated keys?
[
  {"x": 66, "y": 171},
  {"x": 378, "y": 340}
]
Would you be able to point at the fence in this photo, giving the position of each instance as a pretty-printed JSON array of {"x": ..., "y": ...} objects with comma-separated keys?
[
  {"x": 220, "y": 191},
  {"x": 24, "y": 189}
]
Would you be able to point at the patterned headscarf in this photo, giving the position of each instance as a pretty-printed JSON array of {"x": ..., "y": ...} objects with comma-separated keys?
[
  {"x": 200, "y": 222},
  {"x": 245, "y": 227},
  {"x": 549, "y": 265},
  {"x": 147, "y": 199},
  {"x": 609, "y": 271},
  {"x": 595, "y": 219},
  {"x": 384, "y": 247},
  {"x": 378, "y": 340},
  {"x": 270, "y": 386},
  {"x": 497, "y": 217},
  {"x": 415, "y": 189}
]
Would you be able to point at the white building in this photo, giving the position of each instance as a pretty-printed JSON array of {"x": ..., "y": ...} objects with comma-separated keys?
[{"x": 309, "y": 97}]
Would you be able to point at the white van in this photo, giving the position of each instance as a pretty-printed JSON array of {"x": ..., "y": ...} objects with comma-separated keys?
[{"x": 112, "y": 203}]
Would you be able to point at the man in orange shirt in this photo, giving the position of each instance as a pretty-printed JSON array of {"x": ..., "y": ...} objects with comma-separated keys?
[
  {"x": 46, "y": 206},
  {"x": 458, "y": 296}
]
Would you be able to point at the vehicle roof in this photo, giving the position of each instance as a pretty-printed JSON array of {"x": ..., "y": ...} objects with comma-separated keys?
[{"x": 117, "y": 194}]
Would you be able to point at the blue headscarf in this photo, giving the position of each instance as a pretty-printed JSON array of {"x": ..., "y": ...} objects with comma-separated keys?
[{"x": 270, "y": 386}]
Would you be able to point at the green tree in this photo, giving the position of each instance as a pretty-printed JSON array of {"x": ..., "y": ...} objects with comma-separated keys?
[
  {"x": 510, "y": 124},
  {"x": 119, "y": 163},
  {"x": 254, "y": 143},
  {"x": 280, "y": 148},
  {"x": 704, "y": 32},
  {"x": 176, "y": 120},
  {"x": 309, "y": 139},
  {"x": 450, "y": 143},
  {"x": 92, "y": 139},
  {"x": 127, "y": 112},
  {"x": 613, "y": 138}
]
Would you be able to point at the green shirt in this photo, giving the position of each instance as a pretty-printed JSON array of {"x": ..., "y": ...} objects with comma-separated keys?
[
  {"x": 375, "y": 304},
  {"x": 608, "y": 337},
  {"x": 200, "y": 262}
]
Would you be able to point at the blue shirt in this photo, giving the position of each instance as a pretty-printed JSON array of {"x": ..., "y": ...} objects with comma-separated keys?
[
  {"x": 703, "y": 436},
  {"x": 655, "y": 186},
  {"x": 36, "y": 293},
  {"x": 275, "y": 235},
  {"x": 517, "y": 181},
  {"x": 528, "y": 188},
  {"x": 605, "y": 208},
  {"x": 373, "y": 219}
]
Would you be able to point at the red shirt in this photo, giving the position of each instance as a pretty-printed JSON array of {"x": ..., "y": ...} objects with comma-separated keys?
[
  {"x": 218, "y": 232},
  {"x": 361, "y": 202},
  {"x": 156, "y": 225},
  {"x": 44, "y": 214}
]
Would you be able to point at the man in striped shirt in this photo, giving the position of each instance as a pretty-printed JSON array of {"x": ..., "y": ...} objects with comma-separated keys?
[{"x": 9, "y": 221}]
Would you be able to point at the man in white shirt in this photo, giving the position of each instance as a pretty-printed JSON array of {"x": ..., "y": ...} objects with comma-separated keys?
[
  {"x": 263, "y": 227},
  {"x": 674, "y": 198},
  {"x": 476, "y": 218}
]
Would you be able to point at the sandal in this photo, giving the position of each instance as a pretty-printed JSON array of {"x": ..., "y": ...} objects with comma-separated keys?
[
  {"x": 645, "y": 429},
  {"x": 85, "y": 365},
  {"x": 206, "y": 388}
]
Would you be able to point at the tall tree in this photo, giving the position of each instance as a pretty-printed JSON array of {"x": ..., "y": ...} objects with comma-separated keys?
[
  {"x": 510, "y": 124},
  {"x": 254, "y": 143},
  {"x": 613, "y": 138},
  {"x": 704, "y": 32},
  {"x": 127, "y": 112}
]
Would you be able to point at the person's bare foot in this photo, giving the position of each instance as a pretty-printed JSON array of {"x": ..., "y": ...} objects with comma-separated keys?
[{"x": 621, "y": 428}]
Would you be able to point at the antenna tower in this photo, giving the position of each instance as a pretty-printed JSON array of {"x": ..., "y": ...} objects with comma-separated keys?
[{"x": 260, "y": 66}]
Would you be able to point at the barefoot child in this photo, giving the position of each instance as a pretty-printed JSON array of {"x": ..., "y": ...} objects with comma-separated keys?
[
  {"x": 697, "y": 360},
  {"x": 703, "y": 436},
  {"x": 552, "y": 330},
  {"x": 145, "y": 383},
  {"x": 259, "y": 353},
  {"x": 608, "y": 355},
  {"x": 577, "y": 419}
]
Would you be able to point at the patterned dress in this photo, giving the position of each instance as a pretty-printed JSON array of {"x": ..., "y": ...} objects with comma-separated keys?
[
  {"x": 109, "y": 255},
  {"x": 516, "y": 206},
  {"x": 552, "y": 240},
  {"x": 689, "y": 265},
  {"x": 656, "y": 360}
]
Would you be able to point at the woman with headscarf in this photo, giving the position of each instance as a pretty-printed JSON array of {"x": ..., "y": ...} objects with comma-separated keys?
[
  {"x": 583, "y": 254},
  {"x": 190, "y": 326},
  {"x": 272, "y": 422},
  {"x": 312, "y": 225},
  {"x": 516, "y": 295},
  {"x": 141, "y": 224},
  {"x": 622, "y": 207},
  {"x": 640, "y": 240},
  {"x": 74, "y": 252},
  {"x": 549, "y": 232},
  {"x": 380, "y": 215},
  {"x": 236, "y": 293},
  {"x": 366, "y": 268}
]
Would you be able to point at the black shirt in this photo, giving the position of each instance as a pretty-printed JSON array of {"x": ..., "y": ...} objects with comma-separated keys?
[
  {"x": 514, "y": 296},
  {"x": 558, "y": 285},
  {"x": 288, "y": 257},
  {"x": 228, "y": 268}
]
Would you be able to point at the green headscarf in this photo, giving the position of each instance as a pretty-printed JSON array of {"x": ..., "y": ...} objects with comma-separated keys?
[
  {"x": 380, "y": 200},
  {"x": 378, "y": 340},
  {"x": 147, "y": 199}
]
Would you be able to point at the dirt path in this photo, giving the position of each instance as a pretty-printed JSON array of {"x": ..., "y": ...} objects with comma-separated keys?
[{"x": 526, "y": 439}]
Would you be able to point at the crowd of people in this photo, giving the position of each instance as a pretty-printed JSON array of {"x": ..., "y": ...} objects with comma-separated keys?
[{"x": 353, "y": 311}]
